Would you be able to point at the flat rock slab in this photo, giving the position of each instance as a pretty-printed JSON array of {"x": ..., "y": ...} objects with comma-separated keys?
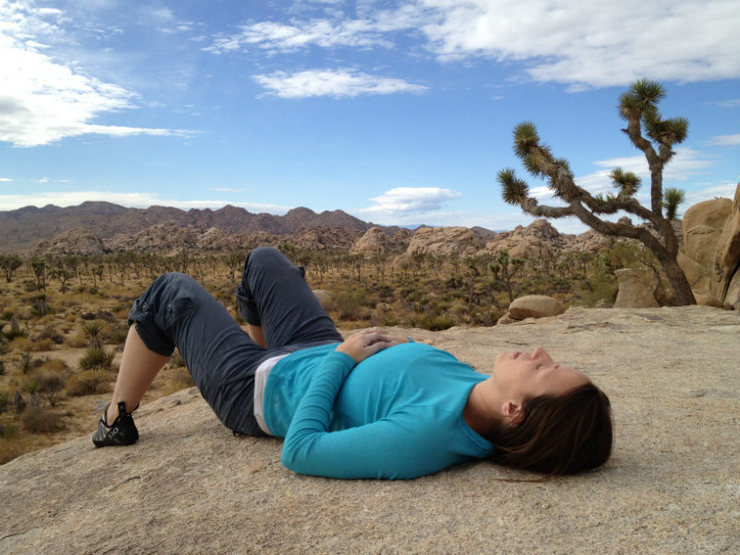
[{"x": 673, "y": 484}]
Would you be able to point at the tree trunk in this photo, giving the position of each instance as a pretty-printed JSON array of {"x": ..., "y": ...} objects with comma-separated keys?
[{"x": 677, "y": 278}]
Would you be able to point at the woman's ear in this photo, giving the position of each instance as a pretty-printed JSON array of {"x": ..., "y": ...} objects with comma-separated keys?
[{"x": 512, "y": 412}]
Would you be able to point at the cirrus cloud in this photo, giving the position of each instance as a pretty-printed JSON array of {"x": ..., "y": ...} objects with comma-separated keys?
[{"x": 335, "y": 83}]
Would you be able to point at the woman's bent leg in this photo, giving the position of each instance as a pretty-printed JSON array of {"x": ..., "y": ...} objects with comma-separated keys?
[
  {"x": 274, "y": 295},
  {"x": 139, "y": 367},
  {"x": 176, "y": 311}
]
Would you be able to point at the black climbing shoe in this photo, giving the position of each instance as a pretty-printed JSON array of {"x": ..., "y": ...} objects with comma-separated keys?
[{"x": 122, "y": 432}]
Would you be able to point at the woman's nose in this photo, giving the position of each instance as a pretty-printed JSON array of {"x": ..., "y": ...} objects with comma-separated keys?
[{"x": 540, "y": 353}]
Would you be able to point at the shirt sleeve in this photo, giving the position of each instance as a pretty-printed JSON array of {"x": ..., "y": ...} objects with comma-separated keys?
[{"x": 389, "y": 448}]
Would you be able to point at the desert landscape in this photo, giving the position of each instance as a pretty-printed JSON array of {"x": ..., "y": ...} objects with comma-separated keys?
[{"x": 674, "y": 390}]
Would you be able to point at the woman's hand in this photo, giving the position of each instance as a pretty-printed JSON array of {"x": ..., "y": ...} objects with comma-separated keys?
[{"x": 366, "y": 343}]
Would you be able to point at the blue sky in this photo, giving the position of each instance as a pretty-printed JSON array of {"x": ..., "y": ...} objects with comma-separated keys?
[{"x": 398, "y": 112}]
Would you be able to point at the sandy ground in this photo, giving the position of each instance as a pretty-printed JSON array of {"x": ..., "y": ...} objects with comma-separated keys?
[{"x": 673, "y": 484}]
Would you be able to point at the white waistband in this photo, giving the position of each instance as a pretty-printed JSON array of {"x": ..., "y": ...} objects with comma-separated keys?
[{"x": 260, "y": 380}]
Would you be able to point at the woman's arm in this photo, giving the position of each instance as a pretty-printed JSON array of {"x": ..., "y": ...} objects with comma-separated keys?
[{"x": 382, "y": 449}]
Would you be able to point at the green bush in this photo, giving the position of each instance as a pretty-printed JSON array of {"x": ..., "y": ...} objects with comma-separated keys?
[
  {"x": 351, "y": 305},
  {"x": 96, "y": 359}
]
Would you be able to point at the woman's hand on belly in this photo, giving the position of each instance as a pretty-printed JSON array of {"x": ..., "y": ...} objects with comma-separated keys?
[{"x": 368, "y": 342}]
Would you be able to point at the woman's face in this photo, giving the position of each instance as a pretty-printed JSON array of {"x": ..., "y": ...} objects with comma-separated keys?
[{"x": 525, "y": 375}]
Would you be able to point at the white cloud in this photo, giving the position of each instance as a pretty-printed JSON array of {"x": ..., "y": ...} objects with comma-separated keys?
[
  {"x": 733, "y": 103},
  {"x": 324, "y": 33},
  {"x": 336, "y": 83},
  {"x": 362, "y": 32},
  {"x": 683, "y": 166},
  {"x": 5, "y": 180},
  {"x": 42, "y": 99},
  {"x": 595, "y": 44},
  {"x": 139, "y": 200},
  {"x": 725, "y": 140},
  {"x": 409, "y": 205},
  {"x": 725, "y": 190},
  {"x": 586, "y": 44}
]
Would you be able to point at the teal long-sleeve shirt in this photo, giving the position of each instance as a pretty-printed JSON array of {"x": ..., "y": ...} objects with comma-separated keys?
[{"x": 397, "y": 414}]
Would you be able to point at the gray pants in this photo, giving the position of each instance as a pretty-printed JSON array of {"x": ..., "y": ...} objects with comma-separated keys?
[{"x": 176, "y": 311}]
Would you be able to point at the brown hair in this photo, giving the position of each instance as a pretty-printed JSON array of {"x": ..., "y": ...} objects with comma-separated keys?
[{"x": 567, "y": 434}]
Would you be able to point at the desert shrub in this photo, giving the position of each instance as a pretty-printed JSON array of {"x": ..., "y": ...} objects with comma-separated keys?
[
  {"x": 87, "y": 382},
  {"x": 30, "y": 386},
  {"x": 51, "y": 334},
  {"x": 49, "y": 386},
  {"x": 179, "y": 379},
  {"x": 485, "y": 317},
  {"x": 78, "y": 339},
  {"x": 38, "y": 420},
  {"x": 8, "y": 430},
  {"x": 18, "y": 402},
  {"x": 54, "y": 365},
  {"x": 118, "y": 335},
  {"x": 93, "y": 330},
  {"x": 41, "y": 344},
  {"x": 14, "y": 330},
  {"x": 351, "y": 305},
  {"x": 385, "y": 292},
  {"x": 40, "y": 306},
  {"x": 4, "y": 400},
  {"x": 24, "y": 364},
  {"x": 437, "y": 323},
  {"x": 96, "y": 359}
]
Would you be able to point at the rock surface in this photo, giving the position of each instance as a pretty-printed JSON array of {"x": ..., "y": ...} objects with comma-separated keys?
[
  {"x": 535, "y": 306},
  {"x": 711, "y": 249},
  {"x": 76, "y": 241},
  {"x": 189, "y": 486},
  {"x": 633, "y": 293},
  {"x": 444, "y": 241}
]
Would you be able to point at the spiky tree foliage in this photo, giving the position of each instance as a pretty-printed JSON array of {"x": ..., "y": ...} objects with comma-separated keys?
[
  {"x": 671, "y": 199},
  {"x": 650, "y": 133}
]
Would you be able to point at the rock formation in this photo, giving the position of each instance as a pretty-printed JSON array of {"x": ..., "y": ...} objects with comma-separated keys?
[
  {"x": 633, "y": 292},
  {"x": 538, "y": 240},
  {"x": 376, "y": 241},
  {"x": 535, "y": 306},
  {"x": 76, "y": 241},
  {"x": 190, "y": 486},
  {"x": 325, "y": 238},
  {"x": 711, "y": 250},
  {"x": 444, "y": 241},
  {"x": 531, "y": 306}
]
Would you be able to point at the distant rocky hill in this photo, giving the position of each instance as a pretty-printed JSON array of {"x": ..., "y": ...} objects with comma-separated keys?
[{"x": 23, "y": 228}]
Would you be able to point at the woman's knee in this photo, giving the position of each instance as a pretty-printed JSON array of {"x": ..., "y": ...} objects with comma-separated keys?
[{"x": 264, "y": 255}]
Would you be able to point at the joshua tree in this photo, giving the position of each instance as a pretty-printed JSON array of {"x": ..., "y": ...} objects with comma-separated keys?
[
  {"x": 505, "y": 269},
  {"x": 10, "y": 263},
  {"x": 638, "y": 106}
]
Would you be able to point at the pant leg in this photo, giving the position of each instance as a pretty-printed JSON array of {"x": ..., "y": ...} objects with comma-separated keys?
[
  {"x": 176, "y": 311},
  {"x": 274, "y": 294}
]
